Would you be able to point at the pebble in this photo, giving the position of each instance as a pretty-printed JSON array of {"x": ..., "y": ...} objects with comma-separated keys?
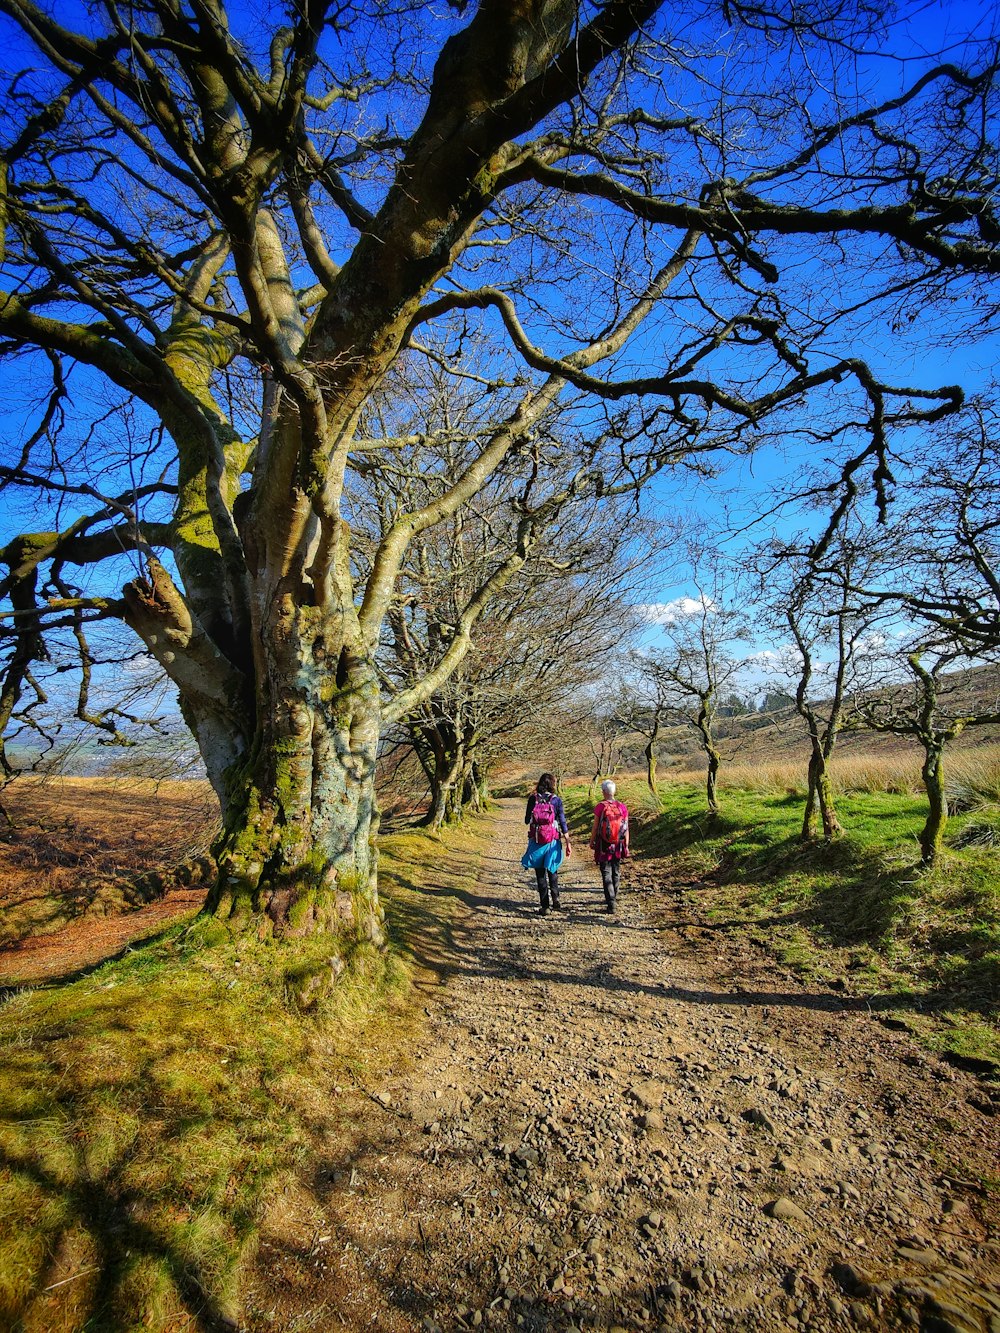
[
  {"x": 920, "y": 1256},
  {"x": 785, "y": 1210},
  {"x": 851, "y": 1280}
]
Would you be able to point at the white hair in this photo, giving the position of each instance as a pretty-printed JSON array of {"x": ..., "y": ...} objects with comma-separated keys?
[{"x": 608, "y": 787}]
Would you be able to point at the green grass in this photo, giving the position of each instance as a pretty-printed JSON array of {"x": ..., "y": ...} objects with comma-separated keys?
[
  {"x": 859, "y": 912},
  {"x": 150, "y": 1111}
]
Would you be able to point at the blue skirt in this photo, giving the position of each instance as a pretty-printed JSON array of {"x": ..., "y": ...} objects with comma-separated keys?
[{"x": 543, "y": 856}]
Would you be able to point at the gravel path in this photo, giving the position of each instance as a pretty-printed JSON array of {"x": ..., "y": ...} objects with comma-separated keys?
[{"x": 599, "y": 1132}]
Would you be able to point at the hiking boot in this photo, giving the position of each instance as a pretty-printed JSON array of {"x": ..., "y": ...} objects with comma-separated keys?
[
  {"x": 543, "y": 910},
  {"x": 556, "y": 905},
  {"x": 610, "y": 909}
]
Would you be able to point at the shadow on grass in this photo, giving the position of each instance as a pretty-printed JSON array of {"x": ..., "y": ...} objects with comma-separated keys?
[
  {"x": 849, "y": 896},
  {"x": 673, "y": 833},
  {"x": 118, "y": 1242}
]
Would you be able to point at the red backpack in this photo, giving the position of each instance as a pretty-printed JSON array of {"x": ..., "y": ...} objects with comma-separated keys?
[
  {"x": 543, "y": 821},
  {"x": 612, "y": 826}
]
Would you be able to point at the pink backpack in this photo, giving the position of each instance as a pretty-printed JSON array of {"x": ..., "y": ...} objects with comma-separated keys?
[
  {"x": 612, "y": 827},
  {"x": 543, "y": 822}
]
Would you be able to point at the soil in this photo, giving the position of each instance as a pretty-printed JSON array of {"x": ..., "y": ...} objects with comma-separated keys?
[
  {"x": 615, "y": 1122},
  {"x": 627, "y": 1123}
]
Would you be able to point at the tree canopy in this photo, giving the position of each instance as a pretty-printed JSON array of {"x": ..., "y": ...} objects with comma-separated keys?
[{"x": 222, "y": 234}]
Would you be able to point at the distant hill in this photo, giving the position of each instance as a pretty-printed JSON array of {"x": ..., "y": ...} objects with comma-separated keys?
[{"x": 778, "y": 735}]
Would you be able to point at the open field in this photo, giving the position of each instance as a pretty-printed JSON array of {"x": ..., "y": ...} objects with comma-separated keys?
[
  {"x": 83, "y": 845},
  {"x": 972, "y": 773}
]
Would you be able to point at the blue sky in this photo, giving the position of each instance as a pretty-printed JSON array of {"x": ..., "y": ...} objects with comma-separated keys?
[{"x": 921, "y": 355}]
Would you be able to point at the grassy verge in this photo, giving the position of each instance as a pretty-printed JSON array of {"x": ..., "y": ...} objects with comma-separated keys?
[
  {"x": 150, "y": 1111},
  {"x": 859, "y": 914}
]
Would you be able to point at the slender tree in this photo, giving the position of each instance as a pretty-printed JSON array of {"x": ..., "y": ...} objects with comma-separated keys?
[
  {"x": 817, "y": 600},
  {"x": 934, "y": 710},
  {"x": 646, "y": 705},
  {"x": 698, "y": 661},
  {"x": 235, "y": 225}
]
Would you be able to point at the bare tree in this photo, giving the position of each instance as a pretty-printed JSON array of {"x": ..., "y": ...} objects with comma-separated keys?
[
  {"x": 818, "y": 600},
  {"x": 605, "y": 731},
  {"x": 931, "y": 575},
  {"x": 647, "y": 703},
  {"x": 698, "y": 662},
  {"x": 539, "y": 647},
  {"x": 236, "y": 228},
  {"x": 933, "y": 710}
]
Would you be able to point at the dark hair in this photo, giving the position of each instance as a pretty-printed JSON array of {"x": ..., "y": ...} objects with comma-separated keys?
[{"x": 546, "y": 783}]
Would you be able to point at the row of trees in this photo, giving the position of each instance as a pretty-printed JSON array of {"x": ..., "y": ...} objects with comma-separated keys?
[
  {"x": 234, "y": 247},
  {"x": 881, "y": 622}
]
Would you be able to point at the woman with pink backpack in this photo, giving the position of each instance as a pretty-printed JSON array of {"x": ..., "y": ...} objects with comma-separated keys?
[
  {"x": 610, "y": 839},
  {"x": 546, "y": 820}
]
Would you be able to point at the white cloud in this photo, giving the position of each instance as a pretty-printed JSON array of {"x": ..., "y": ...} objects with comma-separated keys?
[{"x": 667, "y": 613}]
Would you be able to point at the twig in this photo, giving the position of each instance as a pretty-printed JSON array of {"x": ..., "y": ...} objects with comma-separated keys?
[{"x": 83, "y": 1273}]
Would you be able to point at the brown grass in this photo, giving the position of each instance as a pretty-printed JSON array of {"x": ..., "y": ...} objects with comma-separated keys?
[
  {"x": 72, "y": 838},
  {"x": 969, "y": 773}
]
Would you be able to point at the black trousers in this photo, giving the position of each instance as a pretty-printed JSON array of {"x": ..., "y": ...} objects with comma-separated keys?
[
  {"x": 611, "y": 875},
  {"x": 548, "y": 884}
]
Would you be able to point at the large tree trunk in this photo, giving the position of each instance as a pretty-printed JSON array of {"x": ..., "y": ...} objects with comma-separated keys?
[
  {"x": 447, "y": 788},
  {"x": 932, "y": 833},
  {"x": 434, "y": 817},
  {"x": 297, "y": 851}
]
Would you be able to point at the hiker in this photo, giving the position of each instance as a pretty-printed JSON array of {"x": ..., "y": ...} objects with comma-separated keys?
[
  {"x": 609, "y": 840},
  {"x": 547, "y": 831}
]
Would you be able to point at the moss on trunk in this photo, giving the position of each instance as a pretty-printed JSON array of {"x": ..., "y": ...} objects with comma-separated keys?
[
  {"x": 932, "y": 833},
  {"x": 297, "y": 851}
]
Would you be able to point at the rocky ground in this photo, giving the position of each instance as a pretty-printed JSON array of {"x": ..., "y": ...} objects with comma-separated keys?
[{"x": 619, "y": 1123}]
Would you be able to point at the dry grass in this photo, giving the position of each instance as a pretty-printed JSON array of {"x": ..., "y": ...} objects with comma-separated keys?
[
  {"x": 972, "y": 775},
  {"x": 74, "y": 844}
]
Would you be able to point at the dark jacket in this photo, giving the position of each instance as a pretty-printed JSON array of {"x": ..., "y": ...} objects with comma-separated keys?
[{"x": 557, "y": 805}]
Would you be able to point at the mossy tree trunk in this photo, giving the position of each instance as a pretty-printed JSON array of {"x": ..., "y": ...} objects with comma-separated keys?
[
  {"x": 819, "y": 797},
  {"x": 296, "y": 853},
  {"x": 712, "y": 780},
  {"x": 704, "y": 724},
  {"x": 443, "y": 757},
  {"x": 932, "y": 772}
]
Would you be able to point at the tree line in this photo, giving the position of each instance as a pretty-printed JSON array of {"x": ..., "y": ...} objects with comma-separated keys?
[{"x": 885, "y": 622}]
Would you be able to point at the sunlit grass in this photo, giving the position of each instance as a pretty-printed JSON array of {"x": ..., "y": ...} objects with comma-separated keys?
[
  {"x": 971, "y": 774},
  {"x": 150, "y": 1111}
]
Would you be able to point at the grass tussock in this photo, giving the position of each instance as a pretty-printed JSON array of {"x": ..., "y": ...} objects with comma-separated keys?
[
  {"x": 153, "y": 1112},
  {"x": 858, "y": 911}
]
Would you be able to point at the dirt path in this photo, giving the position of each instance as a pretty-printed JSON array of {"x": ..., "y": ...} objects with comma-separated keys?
[{"x": 598, "y": 1133}]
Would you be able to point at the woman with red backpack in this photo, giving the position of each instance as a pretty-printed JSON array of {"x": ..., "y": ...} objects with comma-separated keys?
[
  {"x": 546, "y": 820},
  {"x": 610, "y": 839}
]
